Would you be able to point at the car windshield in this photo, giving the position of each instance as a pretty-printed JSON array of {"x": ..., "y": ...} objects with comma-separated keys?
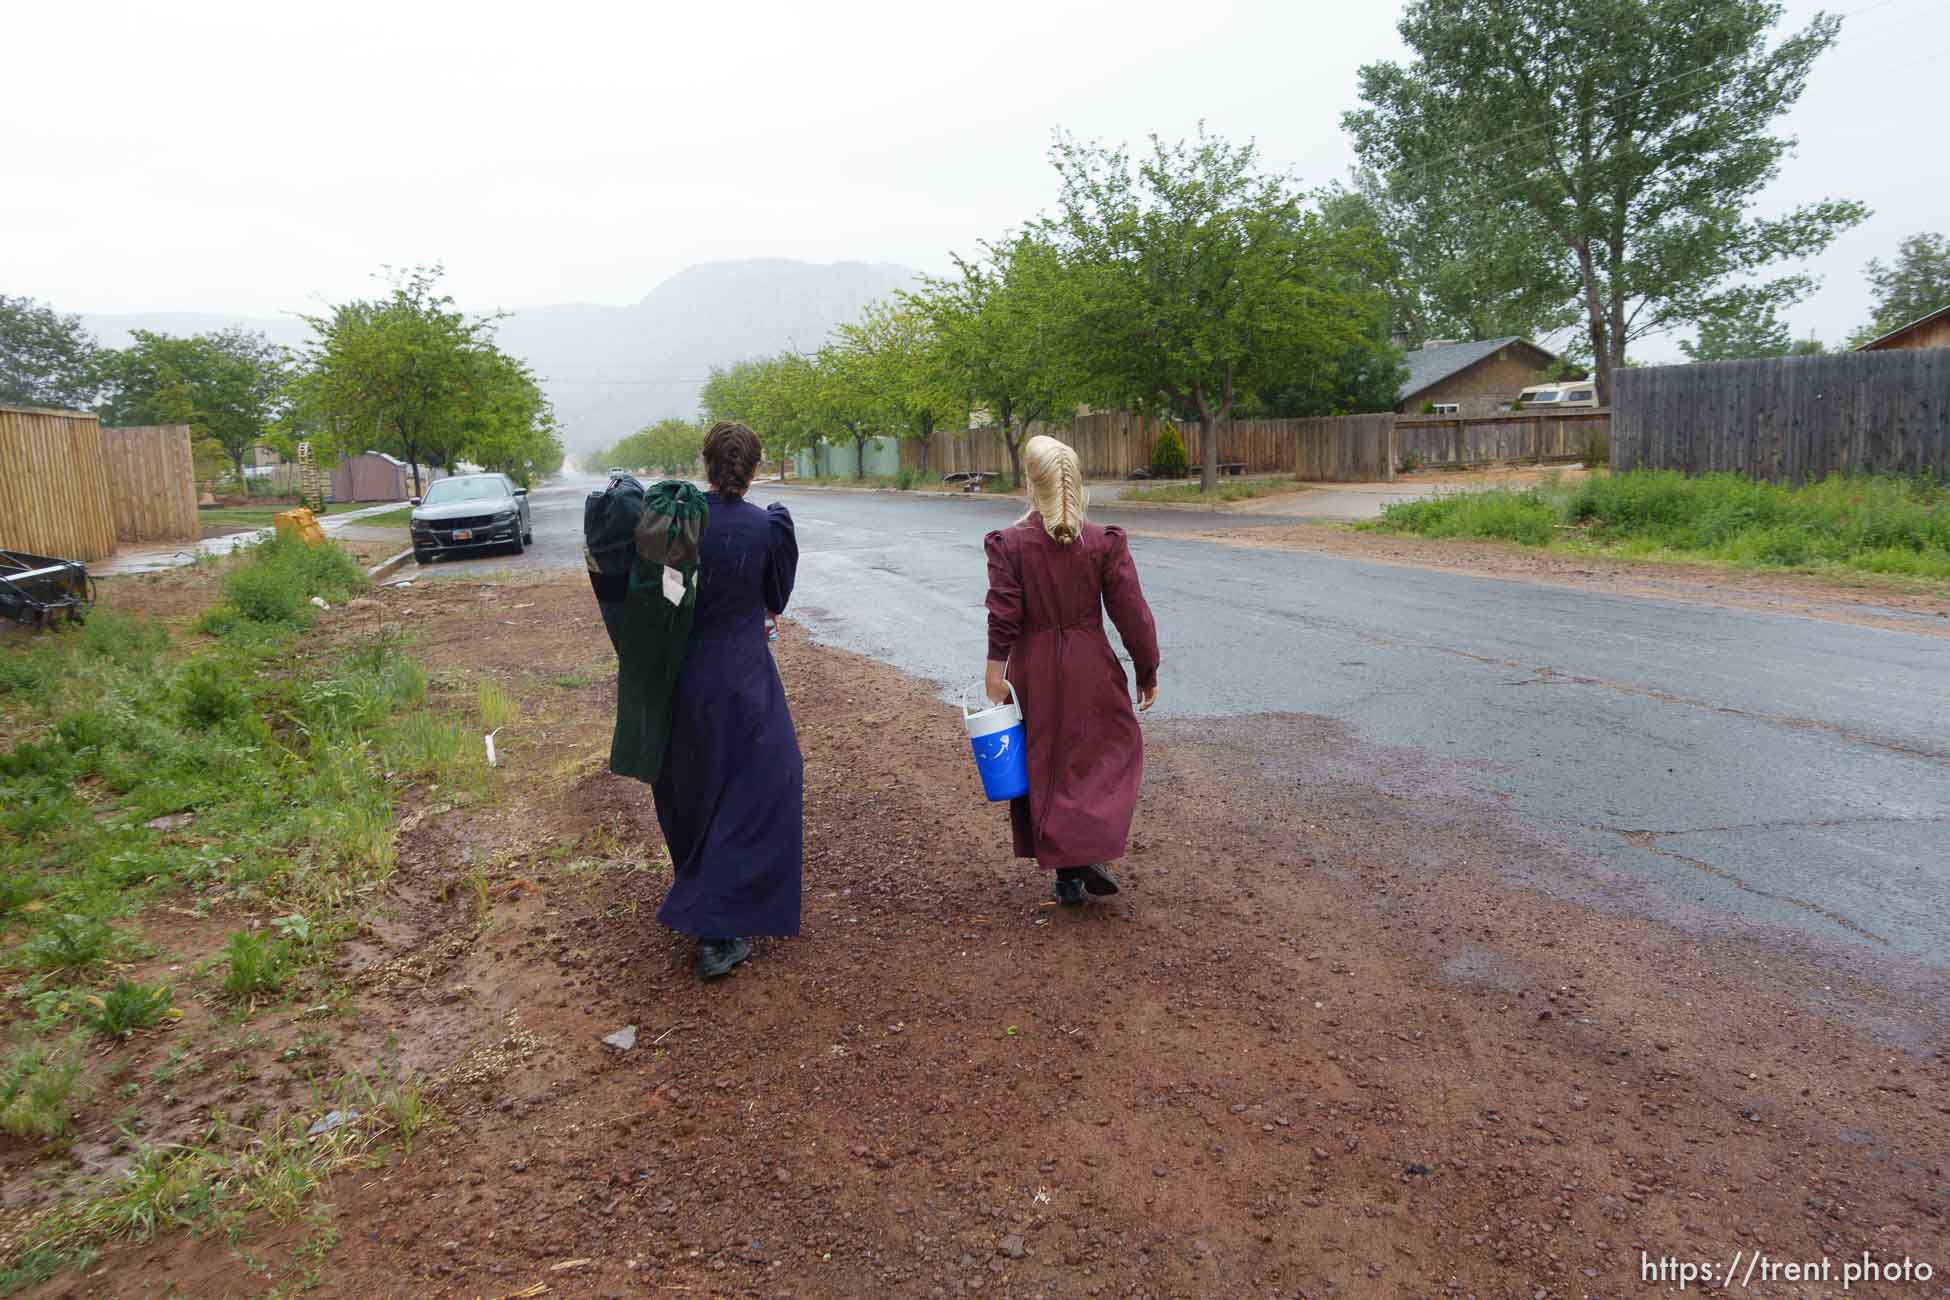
[{"x": 464, "y": 489}]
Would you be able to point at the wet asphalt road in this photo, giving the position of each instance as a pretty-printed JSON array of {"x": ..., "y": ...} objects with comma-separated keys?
[{"x": 1784, "y": 770}]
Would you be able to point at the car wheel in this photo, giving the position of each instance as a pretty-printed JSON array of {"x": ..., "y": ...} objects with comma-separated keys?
[
  {"x": 528, "y": 538},
  {"x": 423, "y": 557},
  {"x": 518, "y": 544}
]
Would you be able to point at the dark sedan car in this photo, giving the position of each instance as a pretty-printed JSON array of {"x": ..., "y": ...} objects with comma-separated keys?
[{"x": 469, "y": 511}]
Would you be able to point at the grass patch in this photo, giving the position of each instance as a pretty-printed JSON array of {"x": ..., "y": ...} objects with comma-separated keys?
[
  {"x": 498, "y": 708},
  {"x": 274, "y": 585},
  {"x": 255, "y": 516},
  {"x": 38, "y": 1088},
  {"x": 148, "y": 770},
  {"x": 1226, "y": 489},
  {"x": 1854, "y": 524},
  {"x": 399, "y": 518}
]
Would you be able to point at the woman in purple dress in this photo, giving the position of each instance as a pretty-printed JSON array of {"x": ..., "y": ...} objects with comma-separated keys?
[{"x": 730, "y": 796}]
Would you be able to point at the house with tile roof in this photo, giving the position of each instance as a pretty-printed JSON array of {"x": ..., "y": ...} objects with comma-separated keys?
[{"x": 1477, "y": 378}]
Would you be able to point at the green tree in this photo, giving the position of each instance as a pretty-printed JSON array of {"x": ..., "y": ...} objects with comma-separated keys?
[
  {"x": 1908, "y": 289},
  {"x": 408, "y": 374},
  {"x": 1744, "y": 335},
  {"x": 1447, "y": 279},
  {"x": 773, "y": 396},
  {"x": 670, "y": 446},
  {"x": 1003, "y": 327},
  {"x": 229, "y": 387},
  {"x": 46, "y": 359},
  {"x": 850, "y": 393},
  {"x": 510, "y": 425},
  {"x": 903, "y": 362},
  {"x": 1200, "y": 281},
  {"x": 1632, "y": 135}
]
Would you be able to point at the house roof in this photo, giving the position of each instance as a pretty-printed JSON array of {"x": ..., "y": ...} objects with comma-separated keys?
[
  {"x": 1875, "y": 343},
  {"x": 1430, "y": 366}
]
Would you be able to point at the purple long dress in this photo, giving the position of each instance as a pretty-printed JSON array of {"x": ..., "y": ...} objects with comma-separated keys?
[{"x": 731, "y": 795}]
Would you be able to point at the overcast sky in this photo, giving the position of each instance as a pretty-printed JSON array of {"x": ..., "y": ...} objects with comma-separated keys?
[{"x": 258, "y": 157}]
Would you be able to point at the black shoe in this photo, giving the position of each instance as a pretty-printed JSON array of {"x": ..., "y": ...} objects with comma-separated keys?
[
  {"x": 1098, "y": 880},
  {"x": 716, "y": 957},
  {"x": 1069, "y": 891}
]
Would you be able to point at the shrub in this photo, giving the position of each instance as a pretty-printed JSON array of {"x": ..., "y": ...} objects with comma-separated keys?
[
  {"x": 275, "y": 583},
  {"x": 1168, "y": 453},
  {"x": 255, "y": 964},
  {"x": 906, "y": 479},
  {"x": 1411, "y": 461}
]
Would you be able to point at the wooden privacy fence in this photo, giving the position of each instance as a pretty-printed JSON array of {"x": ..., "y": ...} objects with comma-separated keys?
[
  {"x": 54, "y": 489},
  {"x": 1486, "y": 439},
  {"x": 152, "y": 483},
  {"x": 1329, "y": 449},
  {"x": 1110, "y": 444},
  {"x": 1790, "y": 419},
  {"x": 1343, "y": 448}
]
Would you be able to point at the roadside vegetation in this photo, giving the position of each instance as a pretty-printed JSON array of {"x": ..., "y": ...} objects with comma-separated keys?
[
  {"x": 252, "y": 516},
  {"x": 191, "y": 823},
  {"x": 1863, "y": 524},
  {"x": 399, "y": 518}
]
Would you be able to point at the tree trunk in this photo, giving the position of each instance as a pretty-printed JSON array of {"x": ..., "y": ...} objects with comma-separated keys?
[
  {"x": 1006, "y": 408},
  {"x": 1208, "y": 439},
  {"x": 859, "y": 457},
  {"x": 237, "y": 464},
  {"x": 924, "y": 456},
  {"x": 1595, "y": 319}
]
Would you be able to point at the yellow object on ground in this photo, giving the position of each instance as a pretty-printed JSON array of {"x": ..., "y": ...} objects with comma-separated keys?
[{"x": 301, "y": 523}]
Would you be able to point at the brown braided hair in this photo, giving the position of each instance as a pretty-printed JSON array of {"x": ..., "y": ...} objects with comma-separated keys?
[{"x": 731, "y": 453}]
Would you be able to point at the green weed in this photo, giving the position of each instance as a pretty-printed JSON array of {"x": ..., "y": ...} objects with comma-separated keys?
[
  {"x": 69, "y": 942},
  {"x": 255, "y": 964},
  {"x": 128, "y": 1006}
]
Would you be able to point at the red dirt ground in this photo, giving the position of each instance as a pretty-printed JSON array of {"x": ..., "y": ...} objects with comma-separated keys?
[{"x": 1349, "y": 1030}]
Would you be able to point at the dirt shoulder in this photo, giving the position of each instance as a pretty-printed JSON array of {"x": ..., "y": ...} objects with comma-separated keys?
[
  {"x": 1900, "y": 608},
  {"x": 1334, "y": 1037}
]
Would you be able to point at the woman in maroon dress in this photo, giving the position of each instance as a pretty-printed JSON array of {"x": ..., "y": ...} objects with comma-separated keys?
[{"x": 1051, "y": 579}]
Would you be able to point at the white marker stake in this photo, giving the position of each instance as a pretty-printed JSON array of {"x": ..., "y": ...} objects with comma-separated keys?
[{"x": 489, "y": 738}]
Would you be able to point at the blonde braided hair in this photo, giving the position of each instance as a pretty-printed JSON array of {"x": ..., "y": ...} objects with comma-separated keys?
[{"x": 1055, "y": 487}]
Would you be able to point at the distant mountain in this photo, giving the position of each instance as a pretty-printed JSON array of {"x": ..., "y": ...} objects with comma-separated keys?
[{"x": 610, "y": 370}]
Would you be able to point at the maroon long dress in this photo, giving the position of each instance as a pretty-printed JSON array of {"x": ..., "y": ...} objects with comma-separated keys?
[{"x": 1046, "y": 620}]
